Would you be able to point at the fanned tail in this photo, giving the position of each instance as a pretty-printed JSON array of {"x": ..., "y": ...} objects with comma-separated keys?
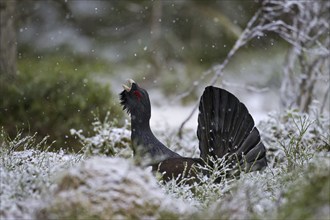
[{"x": 226, "y": 128}]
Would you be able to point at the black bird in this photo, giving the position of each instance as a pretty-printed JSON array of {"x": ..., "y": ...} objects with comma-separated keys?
[{"x": 225, "y": 129}]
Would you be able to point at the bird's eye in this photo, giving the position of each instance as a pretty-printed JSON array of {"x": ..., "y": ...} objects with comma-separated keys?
[{"x": 137, "y": 94}]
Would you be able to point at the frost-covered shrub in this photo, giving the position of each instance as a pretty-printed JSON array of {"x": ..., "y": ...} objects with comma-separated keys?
[
  {"x": 109, "y": 188},
  {"x": 39, "y": 184},
  {"x": 276, "y": 194},
  {"x": 107, "y": 139},
  {"x": 210, "y": 183},
  {"x": 293, "y": 138},
  {"x": 245, "y": 198},
  {"x": 26, "y": 175}
]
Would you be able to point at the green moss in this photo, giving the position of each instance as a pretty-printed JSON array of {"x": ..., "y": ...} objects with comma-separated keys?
[{"x": 53, "y": 94}]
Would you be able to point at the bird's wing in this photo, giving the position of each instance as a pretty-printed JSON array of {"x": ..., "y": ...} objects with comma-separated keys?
[{"x": 225, "y": 127}]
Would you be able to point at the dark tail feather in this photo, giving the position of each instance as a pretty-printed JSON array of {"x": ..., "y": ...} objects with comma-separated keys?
[{"x": 225, "y": 127}]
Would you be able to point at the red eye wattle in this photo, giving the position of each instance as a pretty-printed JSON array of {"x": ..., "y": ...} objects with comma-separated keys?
[{"x": 137, "y": 94}]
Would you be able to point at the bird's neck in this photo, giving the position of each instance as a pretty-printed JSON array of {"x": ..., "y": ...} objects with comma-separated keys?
[
  {"x": 141, "y": 131},
  {"x": 140, "y": 123},
  {"x": 142, "y": 138},
  {"x": 145, "y": 145}
]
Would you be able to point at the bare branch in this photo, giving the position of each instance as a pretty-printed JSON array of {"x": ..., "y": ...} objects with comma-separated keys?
[{"x": 304, "y": 25}]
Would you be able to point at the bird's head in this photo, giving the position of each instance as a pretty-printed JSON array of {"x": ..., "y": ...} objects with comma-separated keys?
[{"x": 136, "y": 101}]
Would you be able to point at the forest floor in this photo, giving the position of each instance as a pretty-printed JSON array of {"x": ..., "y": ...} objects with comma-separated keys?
[{"x": 36, "y": 184}]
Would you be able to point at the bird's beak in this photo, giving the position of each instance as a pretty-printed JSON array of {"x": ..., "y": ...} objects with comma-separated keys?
[{"x": 128, "y": 88}]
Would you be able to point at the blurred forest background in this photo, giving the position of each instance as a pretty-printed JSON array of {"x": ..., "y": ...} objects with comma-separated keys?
[{"x": 63, "y": 62}]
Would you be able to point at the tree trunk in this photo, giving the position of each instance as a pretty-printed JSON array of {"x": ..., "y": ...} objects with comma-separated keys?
[{"x": 8, "y": 44}]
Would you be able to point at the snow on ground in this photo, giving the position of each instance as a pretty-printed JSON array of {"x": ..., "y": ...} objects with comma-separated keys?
[
  {"x": 44, "y": 185},
  {"x": 109, "y": 188}
]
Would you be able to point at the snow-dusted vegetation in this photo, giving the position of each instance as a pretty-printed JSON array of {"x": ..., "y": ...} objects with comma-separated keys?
[
  {"x": 276, "y": 58},
  {"x": 90, "y": 184},
  {"x": 26, "y": 174}
]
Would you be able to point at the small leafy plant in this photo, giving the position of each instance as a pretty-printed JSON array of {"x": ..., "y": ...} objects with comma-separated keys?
[
  {"x": 106, "y": 139},
  {"x": 296, "y": 153}
]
